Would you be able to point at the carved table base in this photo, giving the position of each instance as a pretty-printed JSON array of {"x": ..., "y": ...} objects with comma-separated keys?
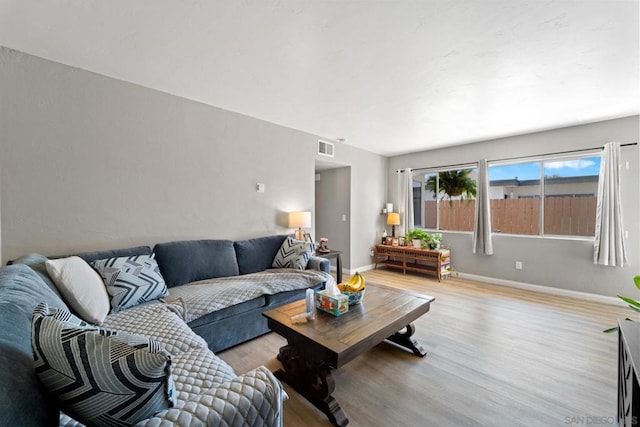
[
  {"x": 405, "y": 340},
  {"x": 310, "y": 376},
  {"x": 312, "y": 379}
]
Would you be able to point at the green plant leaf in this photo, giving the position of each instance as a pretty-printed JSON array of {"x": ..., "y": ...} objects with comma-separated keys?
[
  {"x": 636, "y": 280},
  {"x": 615, "y": 328},
  {"x": 632, "y": 303}
]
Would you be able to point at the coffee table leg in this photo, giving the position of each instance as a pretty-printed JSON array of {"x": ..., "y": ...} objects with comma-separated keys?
[
  {"x": 313, "y": 380},
  {"x": 405, "y": 340}
]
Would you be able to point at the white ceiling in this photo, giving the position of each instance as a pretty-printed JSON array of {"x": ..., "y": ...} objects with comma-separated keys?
[{"x": 388, "y": 76}]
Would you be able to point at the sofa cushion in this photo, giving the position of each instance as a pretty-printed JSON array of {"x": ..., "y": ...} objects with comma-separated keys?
[
  {"x": 230, "y": 311},
  {"x": 281, "y": 298},
  {"x": 163, "y": 323},
  {"x": 21, "y": 289},
  {"x": 100, "y": 377},
  {"x": 81, "y": 286},
  {"x": 113, "y": 253},
  {"x": 131, "y": 280},
  {"x": 293, "y": 254},
  {"x": 257, "y": 254},
  {"x": 198, "y": 370},
  {"x": 37, "y": 264},
  {"x": 192, "y": 260}
]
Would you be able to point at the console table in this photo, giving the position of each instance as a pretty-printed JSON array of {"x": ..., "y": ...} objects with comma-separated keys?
[
  {"x": 436, "y": 262},
  {"x": 628, "y": 374}
]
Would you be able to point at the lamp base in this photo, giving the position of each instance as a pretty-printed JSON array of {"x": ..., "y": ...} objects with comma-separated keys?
[
  {"x": 299, "y": 234},
  {"x": 393, "y": 231}
]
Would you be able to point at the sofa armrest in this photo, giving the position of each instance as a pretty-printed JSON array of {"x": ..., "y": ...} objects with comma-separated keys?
[
  {"x": 254, "y": 398},
  {"x": 319, "y": 263}
]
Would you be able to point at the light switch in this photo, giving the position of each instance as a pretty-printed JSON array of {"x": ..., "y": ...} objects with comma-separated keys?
[{"x": 344, "y": 217}]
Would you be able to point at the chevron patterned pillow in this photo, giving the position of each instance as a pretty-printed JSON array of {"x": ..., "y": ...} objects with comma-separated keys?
[
  {"x": 100, "y": 377},
  {"x": 131, "y": 280},
  {"x": 293, "y": 254}
]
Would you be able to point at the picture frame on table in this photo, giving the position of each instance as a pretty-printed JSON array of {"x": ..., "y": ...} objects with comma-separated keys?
[
  {"x": 308, "y": 238},
  {"x": 388, "y": 240},
  {"x": 394, "y": 241}
]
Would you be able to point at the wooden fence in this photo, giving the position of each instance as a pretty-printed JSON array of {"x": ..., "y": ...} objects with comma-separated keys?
[{"x": 574, "y": 216}]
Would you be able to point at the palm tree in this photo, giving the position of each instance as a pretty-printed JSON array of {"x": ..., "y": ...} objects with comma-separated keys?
[{"x": 452, "y": 184}]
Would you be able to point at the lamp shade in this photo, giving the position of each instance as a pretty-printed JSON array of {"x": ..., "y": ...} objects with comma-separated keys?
[
  {"x": 299, "y": 219},
  {"x": 393, "y": 218}
]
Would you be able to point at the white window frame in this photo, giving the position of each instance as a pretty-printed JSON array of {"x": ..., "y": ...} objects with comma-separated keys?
[{"x": 542, "y": 159}]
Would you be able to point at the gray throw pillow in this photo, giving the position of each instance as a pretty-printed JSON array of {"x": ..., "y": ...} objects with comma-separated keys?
[
  {"x": 100, "y": 377},
  {"x": 131, "y": 280},
  {"x": 293, "y": 254}
]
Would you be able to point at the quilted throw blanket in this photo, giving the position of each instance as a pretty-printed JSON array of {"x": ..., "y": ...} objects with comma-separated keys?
[{"x": 206, "y": 296}]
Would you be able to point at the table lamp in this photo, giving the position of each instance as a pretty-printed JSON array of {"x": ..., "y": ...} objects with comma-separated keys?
[
  {"x": 393, "y": 219},
  {"x": 299, "y": 220}
]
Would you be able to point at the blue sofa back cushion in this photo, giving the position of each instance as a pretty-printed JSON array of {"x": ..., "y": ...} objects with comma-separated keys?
[
  {"x": 192, "y": 260},
  {"x": 257, "y": 254},
  {"x": 89, "y": 257},
  {"x": 21, "y": 290},
  {"x": 37, "y": 264}
]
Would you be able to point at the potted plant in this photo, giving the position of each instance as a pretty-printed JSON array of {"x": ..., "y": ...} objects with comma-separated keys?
[
  {"x": 452, "y": 184},
  {"x": 417, "y": 236},
  {"x": 434, "y": 240},
  {"x": 633, "y": 304}
]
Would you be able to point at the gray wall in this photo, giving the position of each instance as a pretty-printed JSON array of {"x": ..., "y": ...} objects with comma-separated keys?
[
  {"x": 368, "y": 196},
  {"x": 333, "y": 199},
  {"x": 560, "y": 263},
  {"x": 89, "y": 162}
]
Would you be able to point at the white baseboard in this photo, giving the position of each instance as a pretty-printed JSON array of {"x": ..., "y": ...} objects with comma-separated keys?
[
  {"x": 360, "y": 269},
  {"x": 603, "y": 299},
  {"x": 543, "y": 289}
]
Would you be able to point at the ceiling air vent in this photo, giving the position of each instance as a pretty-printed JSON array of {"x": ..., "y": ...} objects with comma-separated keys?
[{"x": 325, "y": 148}]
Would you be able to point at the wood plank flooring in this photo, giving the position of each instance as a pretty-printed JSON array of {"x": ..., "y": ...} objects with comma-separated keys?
[{"x": 497, "y": 356}]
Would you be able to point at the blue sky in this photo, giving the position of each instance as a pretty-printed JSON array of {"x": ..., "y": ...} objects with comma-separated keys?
[{"x": 564, "y": 168}]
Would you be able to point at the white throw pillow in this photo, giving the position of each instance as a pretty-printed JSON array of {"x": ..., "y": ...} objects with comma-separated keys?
[{"x": 81, "y": 286}]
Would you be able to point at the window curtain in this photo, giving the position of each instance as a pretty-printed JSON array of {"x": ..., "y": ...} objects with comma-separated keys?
[
  {"x": 609, "y": 248},
  {"x": 405, "y": 200},
  {"x": 482, "y": 243}
]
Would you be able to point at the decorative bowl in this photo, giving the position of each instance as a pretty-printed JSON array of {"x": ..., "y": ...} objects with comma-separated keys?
[{"x": 354, "y": 297}]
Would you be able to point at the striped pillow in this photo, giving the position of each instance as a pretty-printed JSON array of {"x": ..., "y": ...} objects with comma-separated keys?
[
  {"x": 293, "y": 254},
  {"x": 100, "y": 377},
  {"x": 131, "y": 280}
]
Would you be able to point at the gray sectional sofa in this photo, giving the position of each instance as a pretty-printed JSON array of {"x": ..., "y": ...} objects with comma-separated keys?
[{"x": 217, "y": 291}]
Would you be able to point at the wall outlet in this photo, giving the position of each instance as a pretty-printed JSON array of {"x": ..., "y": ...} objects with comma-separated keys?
[
  {"x": 371, "y": 252},
  {"x": 518, "y": 265}
]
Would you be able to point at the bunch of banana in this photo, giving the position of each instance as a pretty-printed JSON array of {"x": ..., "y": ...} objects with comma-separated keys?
[{"x": 354, "y": 284}]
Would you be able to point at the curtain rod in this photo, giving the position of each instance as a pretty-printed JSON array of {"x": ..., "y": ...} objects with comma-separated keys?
[{"x": 516, "y": 158}]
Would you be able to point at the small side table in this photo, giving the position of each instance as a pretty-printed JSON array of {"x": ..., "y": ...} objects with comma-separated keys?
[{"x": 338, "y": 257}]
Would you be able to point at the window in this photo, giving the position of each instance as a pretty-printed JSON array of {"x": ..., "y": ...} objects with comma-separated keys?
[
  {"x": 514, "y": 191},
  {"x": 546, "y": 196},
  {"x": 570, "y": 196},
  {"x": 447, "y": 199},
  {"x": 550, "y": 197}
]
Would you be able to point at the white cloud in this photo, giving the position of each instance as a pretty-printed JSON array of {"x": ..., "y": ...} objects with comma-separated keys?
[{"x": 573, "y": 164}]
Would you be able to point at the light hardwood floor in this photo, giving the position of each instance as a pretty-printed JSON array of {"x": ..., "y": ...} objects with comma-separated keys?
[{"x": 497, "y": 356}]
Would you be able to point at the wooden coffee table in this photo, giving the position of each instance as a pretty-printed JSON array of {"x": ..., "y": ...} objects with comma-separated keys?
[{"x": 317, "y": 347}]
